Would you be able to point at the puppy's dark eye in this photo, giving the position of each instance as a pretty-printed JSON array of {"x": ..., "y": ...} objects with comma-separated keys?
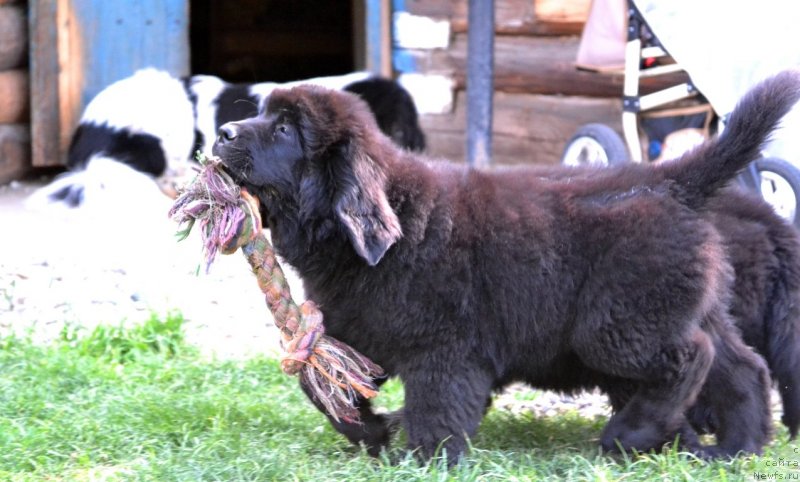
[{"x": 282, "y": 129}]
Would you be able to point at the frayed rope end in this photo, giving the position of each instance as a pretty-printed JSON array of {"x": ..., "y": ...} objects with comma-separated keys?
[{"x": 335, "y": 373}]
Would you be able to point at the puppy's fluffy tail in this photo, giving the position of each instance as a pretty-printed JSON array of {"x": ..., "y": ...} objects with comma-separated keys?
[{"x": 702, "y": 172}]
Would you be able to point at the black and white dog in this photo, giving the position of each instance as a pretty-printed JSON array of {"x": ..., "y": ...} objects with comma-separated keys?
[{"x": 151, "y": 124}]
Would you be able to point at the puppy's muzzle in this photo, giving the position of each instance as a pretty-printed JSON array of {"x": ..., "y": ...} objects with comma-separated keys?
[
  {"x": 228, "y": 136},
  {"x": 227, "y": 133}
]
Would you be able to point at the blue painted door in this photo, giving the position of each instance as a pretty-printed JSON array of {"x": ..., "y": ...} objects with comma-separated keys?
[
  {"x": 119, "y": 37},
  {"x": 80, "y": 46}
]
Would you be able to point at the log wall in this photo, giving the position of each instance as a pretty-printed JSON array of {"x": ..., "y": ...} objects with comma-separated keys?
[
  {"x": 540, "y": 97},
  {"x": 15, "y": 141}
]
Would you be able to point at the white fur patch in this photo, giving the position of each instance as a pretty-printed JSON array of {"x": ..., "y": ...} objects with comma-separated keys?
[
  {"x": 150, "y": 101},
  {"x": 207, "y": 88},
  {"x": 110, "y": 188}
]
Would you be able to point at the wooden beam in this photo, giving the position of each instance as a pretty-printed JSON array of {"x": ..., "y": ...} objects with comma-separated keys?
[
  {"x": 45, "y": 122},
  {"x": 512, "y": 17}
]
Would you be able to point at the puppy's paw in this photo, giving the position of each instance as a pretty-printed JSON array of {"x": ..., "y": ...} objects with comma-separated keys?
[{"x": 372, "y": 432}]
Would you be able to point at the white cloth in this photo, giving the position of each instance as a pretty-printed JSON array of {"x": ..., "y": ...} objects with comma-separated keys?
[{"x": 727, "y": 46}]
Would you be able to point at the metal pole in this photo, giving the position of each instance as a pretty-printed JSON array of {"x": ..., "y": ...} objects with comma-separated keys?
[{"x": 480, "y": 82}]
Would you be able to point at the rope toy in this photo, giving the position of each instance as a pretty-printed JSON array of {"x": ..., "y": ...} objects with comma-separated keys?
[{"x": 229, "y": 219}]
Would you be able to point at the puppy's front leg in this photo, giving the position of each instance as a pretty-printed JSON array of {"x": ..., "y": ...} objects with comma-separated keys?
[
  {"x": 372, "y": 430},
  {"x": 443, "y": 407}
]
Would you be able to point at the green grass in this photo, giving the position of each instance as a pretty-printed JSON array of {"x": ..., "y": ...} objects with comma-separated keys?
[{"x": 139, "y": 404}]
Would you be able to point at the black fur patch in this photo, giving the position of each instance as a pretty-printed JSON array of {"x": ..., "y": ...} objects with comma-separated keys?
[
  {"x": 199, "y": 139},
  {"x": 71, "y": 195},
  {"x": 394, "y": 110},
  {"x": 142, "y": 152},
  {"x": 235, "y": 103}
]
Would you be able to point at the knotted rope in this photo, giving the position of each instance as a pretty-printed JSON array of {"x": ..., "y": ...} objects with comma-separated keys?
[{"x": 229, "y": 218}]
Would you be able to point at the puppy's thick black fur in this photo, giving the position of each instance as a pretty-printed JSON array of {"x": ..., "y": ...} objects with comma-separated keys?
[
  {"x": 461, "y": 281},
  {"x": 765, "y": 254}
]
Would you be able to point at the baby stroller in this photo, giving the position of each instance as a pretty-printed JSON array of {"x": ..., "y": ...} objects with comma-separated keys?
[{"x": 675, "y": 39}]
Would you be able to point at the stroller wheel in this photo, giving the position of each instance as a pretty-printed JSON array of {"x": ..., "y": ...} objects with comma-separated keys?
[
  {"x": 595, "y": 144},
  {"x": 778, "y": 182}
]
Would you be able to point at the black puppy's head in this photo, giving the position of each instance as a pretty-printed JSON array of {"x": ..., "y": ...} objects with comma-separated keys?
[{"x": 314, "y": 158}]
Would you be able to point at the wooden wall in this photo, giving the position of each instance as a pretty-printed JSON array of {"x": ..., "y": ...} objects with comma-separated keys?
[
  {"x": 15, "y": 149},
  {"x": 540, "y": 97}
]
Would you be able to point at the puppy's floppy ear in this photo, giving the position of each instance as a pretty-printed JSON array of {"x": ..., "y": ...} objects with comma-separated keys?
[{"x": 362, "y": 207}]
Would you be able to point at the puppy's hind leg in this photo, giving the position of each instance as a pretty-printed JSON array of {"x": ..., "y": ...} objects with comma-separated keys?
[
  {"x": 783, "y": 356},
  {"x": 654, "y": 415},
  {"x": 786, "y": 368},
  {"x": 737, "y": 392},
  {"x": 620, "y": 392}
]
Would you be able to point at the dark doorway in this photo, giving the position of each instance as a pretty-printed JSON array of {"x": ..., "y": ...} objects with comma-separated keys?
[{"x": 271, "y": 40}]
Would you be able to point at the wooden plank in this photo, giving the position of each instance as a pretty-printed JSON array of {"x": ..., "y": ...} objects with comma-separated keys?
[
  {"x": 13, "y": 36},
  {"x": 45, "y": 123},
  {"x": 71, "y": 79},
  {"x": 441, "y": 9},
  {"x": 527, "y": 128},
  {"x": 566, "y": 11},
  {"x": 15, "y": 151},
  {"x": 512, "y": 17},
  {"x": 14, "y": 96}
]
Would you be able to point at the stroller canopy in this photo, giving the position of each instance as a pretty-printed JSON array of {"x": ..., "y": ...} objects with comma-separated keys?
[{"x": 727, "y": 46}]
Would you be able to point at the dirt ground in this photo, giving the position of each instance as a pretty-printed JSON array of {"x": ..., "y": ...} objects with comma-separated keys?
[{"x": 117, "y": 263}]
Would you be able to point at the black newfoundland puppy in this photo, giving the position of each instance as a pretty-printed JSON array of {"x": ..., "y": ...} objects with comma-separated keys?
[
  {"x": 764, "y": 251},
  {"x": 461, "y": 281}
]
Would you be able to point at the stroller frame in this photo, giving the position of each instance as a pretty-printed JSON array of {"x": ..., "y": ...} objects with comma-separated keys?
[
  {"x": 634, "y": 104},
  {"x": 772, "y": 178}
]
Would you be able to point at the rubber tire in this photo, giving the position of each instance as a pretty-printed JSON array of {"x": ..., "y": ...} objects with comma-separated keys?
[
  {"x": 787, "y": 173},
  {"x": 597, "y": 136}
]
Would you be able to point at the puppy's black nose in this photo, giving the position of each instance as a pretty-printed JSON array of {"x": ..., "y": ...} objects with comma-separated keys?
[{"x": 227, "y": 133}]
